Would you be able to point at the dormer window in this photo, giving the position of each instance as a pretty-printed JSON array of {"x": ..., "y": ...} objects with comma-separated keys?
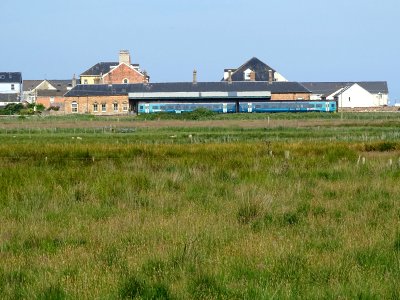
[
  {"x": 246, "y": 74},
  {"x": 13, "y": 87}
]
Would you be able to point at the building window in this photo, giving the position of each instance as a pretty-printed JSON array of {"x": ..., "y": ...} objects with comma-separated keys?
[
  {"x": 103, "y": 107},
  {"x": 246, "y": 74},
  {"x": 74, "y": 107},
  {"x": 85, "y": 81},
  {"x": 115, "y": 106},
  {"x": 52, "y": 100},
  {"x": 95, "y": 107},
  {"x": 126, "y": 80},
  {"x": 12, "y": 86},
  {"x": 125, "y": 106}
]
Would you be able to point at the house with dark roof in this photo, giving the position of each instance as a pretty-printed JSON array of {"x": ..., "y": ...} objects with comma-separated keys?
[
  {"x": 351, "y": 94},
  {"x": 49, "y": 93},
  {"x": 10, "y": 83},
  {"x": 253, "y": 70},
  {"x": 122, "y": 71}
]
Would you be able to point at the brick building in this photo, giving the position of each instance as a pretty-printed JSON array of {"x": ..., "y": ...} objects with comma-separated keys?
[
  {"x": 122, "y": 71},
  {"x": 114, "y": 99}
]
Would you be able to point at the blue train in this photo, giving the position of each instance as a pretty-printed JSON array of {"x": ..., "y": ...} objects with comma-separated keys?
[{"x": 242, "y": 107}]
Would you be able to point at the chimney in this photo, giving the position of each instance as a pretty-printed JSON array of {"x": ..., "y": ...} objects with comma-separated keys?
[
  {"x": 74, "y": 81},
  {"x": 194, "y": 76},
  {"x": 124, "y": 57},
  {"x": 270, "y": 77},
  {"x": 229, "y": 76},
  {"x": 146, "y": 78},
  {"x": 253, "y": 76}
]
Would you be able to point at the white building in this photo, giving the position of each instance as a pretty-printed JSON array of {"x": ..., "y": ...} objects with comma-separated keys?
[
  {"x": 351, "y": 94},
  {"x": 10, "y": 87},
  {"x": 10, "y": 83}
]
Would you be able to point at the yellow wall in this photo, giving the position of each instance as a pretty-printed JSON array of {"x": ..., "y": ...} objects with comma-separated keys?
[{"x": 90, "y": 79}]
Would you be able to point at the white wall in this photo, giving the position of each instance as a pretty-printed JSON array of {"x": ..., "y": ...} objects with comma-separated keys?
[
  {"x": 279, "y": 77},
  {"x": 6, "y": 88},
  {"x": 356, "y": 96}
]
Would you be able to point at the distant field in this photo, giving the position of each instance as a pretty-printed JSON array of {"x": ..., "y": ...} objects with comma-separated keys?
[{"x": 300, "y": 206}]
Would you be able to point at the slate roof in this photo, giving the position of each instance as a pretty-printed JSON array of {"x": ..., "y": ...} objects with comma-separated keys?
[
  {"x": 328, "y": 88},
  {"x": 62, "y": 86},
  {"x": 29, "y": 85},
  {"x": 261, "y": 69},
  {"x": 10, "y": 77},
  {"x": 100, "y": 68},
  {"x": 103, "y": 68},
  {"x": 219, "y": 86}
]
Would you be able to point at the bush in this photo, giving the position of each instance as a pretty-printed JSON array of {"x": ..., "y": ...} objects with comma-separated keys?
[{"x": 54, "y": 108}]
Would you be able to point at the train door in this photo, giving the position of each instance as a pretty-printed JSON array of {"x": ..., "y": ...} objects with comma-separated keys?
[
  {"x": 146, "y": 108},
  {"x": 224, "y": 108},
  {"x": 326, "y": 106},
  {"x": 249, "y": 107}
]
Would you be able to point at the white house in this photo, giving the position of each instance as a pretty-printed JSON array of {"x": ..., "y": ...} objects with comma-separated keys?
[
  {"x": 353, "y": 96},
  {"x": 10, "y": 83},
  {"x": 361, "y": 94}
]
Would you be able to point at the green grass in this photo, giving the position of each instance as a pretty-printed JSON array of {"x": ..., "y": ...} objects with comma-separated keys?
[{"x": 133, "y": 215}]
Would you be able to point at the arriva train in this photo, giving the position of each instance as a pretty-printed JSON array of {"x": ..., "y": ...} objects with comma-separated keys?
[{"x": 240, "y": 107}]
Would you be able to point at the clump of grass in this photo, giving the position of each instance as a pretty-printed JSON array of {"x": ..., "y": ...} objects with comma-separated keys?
[
  {"x": 205, "y": 286},
  {"x": 248, "y": 211},
  {"x": 54, "y": 292},
  {"x": 134, "y": 287}
]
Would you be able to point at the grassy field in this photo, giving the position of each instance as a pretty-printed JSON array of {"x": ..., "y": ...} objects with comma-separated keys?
[{"x": 305, "y": 207}]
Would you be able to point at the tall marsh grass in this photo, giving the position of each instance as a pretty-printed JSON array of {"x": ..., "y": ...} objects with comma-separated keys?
[{"x": 199, "y": 221}]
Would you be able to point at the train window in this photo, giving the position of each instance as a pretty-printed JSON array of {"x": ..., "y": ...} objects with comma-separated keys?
[{"x": 318, "y": 105}]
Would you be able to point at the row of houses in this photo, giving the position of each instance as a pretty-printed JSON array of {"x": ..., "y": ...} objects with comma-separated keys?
[{"x": 117, "y": 87}]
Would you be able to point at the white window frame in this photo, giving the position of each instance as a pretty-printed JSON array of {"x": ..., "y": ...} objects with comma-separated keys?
[
  {"x": 74, "y": 107},
  {"x": 95, "y": 107},
  {"x": 104, "y": 107},
  {"x": 115, "y": 106}
]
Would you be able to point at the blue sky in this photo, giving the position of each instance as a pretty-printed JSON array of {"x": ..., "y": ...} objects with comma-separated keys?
[{"x": 308, "y": 40}]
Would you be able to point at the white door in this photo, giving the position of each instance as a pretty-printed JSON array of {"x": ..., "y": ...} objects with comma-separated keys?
[
  {"x": 327, "y": 106},
  {"x": 147, "y": 108},
  {"x": 224, "y": 108}
]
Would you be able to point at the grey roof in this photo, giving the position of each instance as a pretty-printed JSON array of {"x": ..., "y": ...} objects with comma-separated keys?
[
  {"x": 100, "y": 68},
  {"x": 9, "y": 97},
  {"x": 10, "y": 77},
  {"x": 327, "y": 88},
  {"x": 29, "y": 85},
  {"x": 219, "y": 86},
  {"x": 62, "y": 86},
  {"x": 261, "y": 69}
]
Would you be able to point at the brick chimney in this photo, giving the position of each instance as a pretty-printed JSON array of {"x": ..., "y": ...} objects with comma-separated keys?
[
  {"x": 252, "y": 76},
  {"x": 270, "y": 76},
  {"x": 124, "y": 57}
]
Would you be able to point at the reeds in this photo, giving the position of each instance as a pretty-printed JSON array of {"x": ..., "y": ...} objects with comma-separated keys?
[{"x": 199, "y": 221}]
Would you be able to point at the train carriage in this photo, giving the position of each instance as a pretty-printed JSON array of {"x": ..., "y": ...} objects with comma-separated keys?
[{"x": 241, "y": 106}]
